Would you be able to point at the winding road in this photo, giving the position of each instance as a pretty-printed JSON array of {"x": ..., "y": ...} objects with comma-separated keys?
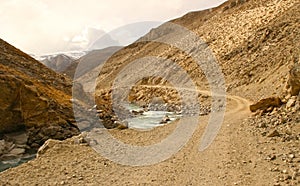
[{"x": 231, "y": 159}]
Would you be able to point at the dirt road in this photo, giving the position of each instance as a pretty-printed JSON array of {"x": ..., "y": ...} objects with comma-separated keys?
[{"x": 232, "y": 159}]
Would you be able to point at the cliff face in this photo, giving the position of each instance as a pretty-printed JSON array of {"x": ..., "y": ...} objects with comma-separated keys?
[{"x": 33, "y": 97}]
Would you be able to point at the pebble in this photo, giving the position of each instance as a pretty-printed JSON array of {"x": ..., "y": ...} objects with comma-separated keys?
[
  {"x": 291, "y": 102},
  {"x": 273, "y": 133},
  {"x": 17, "y": 151},
  {"x": 166, "y": 119},
  {"x": 291, "y": 156},
  {"x": 294, "y": 176},
  {"x": 271, "y": 157}
]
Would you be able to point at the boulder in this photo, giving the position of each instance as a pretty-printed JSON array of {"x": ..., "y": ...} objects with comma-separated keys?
[
  {"x": 121, "y": 125},
  {"x": 165, "y": 119},
  {"x": 2, "y": 147},
  {"x": 291, "y": 102},
  {"x": 19, "y": 138},
  {"x": 137, "y": 112},
  {"x": 273, "y": 133},
  {"x": 293, "y": 84},
  {"x": 9, "y": 150},
  {"x": 37, "y": 136},
  {"x": 83, "y": 125},
  {"x": 17, "y": 151},
  {"x": 47, "y": 145},
  {"x": 264, "y": 104}
]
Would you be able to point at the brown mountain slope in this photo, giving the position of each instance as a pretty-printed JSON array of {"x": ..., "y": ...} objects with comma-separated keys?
[
  {"x": 253, "y": 41},
  {"x": 33, "y": 97}
]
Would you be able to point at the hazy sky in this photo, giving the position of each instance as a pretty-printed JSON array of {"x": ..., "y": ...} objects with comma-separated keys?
[{"x": 48, "y": 26}]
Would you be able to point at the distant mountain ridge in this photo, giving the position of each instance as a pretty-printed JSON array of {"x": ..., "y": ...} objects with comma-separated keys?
[
  {"x": 89, "y": 61},
  {"x": 58, "y": 63}
]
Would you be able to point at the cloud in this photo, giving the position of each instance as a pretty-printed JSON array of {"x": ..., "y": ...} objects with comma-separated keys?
[
  {"x": 44, "y": 26},
  {"x": 123, "y": 35},
  {"x": 82, "y": 40}
]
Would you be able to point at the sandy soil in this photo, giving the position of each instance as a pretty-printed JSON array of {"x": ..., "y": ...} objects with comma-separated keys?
[{"x": 232, "y": 159}]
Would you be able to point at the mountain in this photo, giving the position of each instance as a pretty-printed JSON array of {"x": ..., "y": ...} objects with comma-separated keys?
[
  {"x": 89, "y": 61},
  {"x": 34, "y": 98},
  {"x": 243, "y": 37},
  {"x": 85, "y": 64},
  {"x": 70, "y": 54},
  {"x": 58, "y": 63},
  {"x": 256, "y": 45}
]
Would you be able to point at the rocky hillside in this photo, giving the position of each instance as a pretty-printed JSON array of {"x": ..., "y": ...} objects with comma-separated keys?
[
  {"x": 251, "y": 41},
  {"x": 33, "y": 98},
  {"x": 256, "y": 44}
]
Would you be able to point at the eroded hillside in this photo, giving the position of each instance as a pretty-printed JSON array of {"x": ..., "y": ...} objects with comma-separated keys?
[
  {"x": 254, "y": 43},
  {"x": 251, "y": 41},
  {"x": 33, "y": 97}
]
